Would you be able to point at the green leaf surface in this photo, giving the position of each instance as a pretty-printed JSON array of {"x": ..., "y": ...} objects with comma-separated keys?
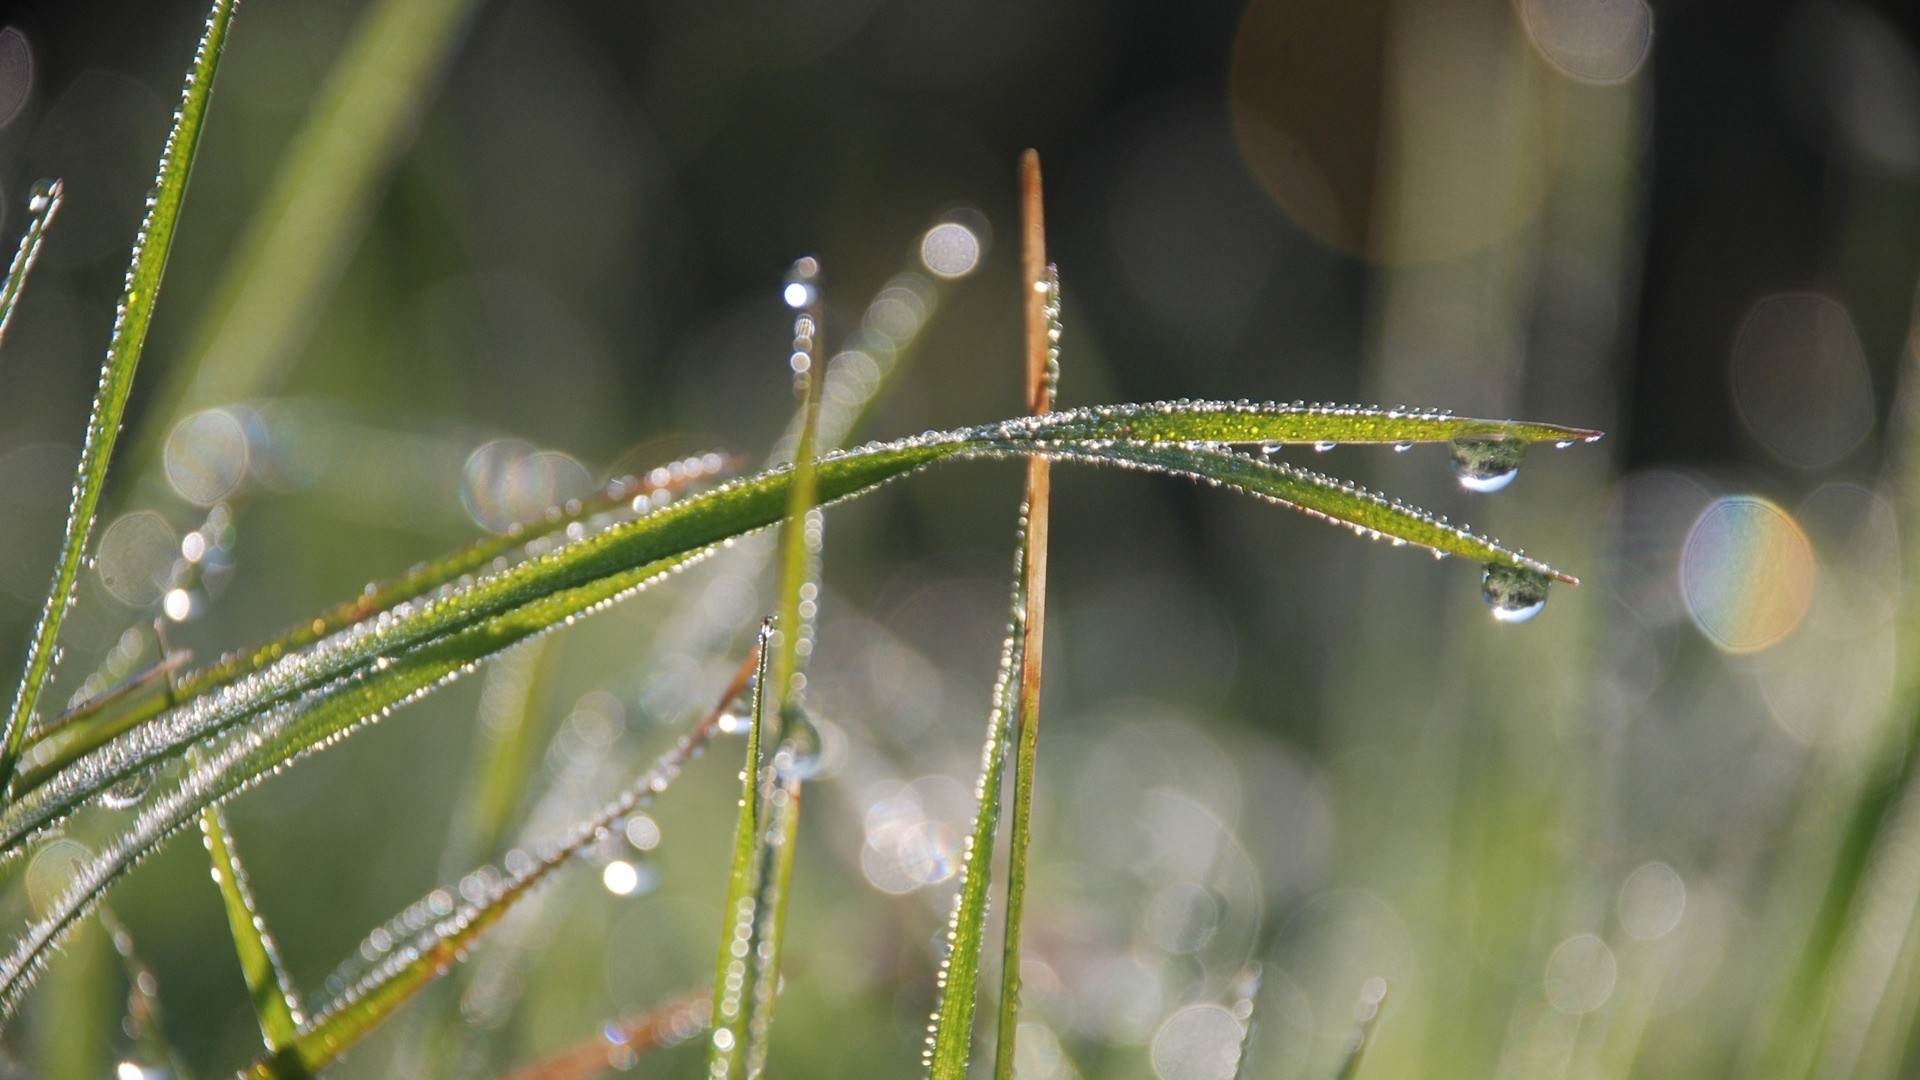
[{"x": 149, "y": 262}]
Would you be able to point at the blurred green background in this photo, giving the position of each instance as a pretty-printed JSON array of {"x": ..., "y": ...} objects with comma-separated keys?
[{"x": 544, "y": 248}]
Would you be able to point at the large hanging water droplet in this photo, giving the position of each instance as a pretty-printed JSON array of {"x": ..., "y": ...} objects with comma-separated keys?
[
  {"x": 803, "y": 750},
  {"x": 1487, "y": 463},
  {"x": 1513, "y": 594},
  {"x": 127, "y": 791}
]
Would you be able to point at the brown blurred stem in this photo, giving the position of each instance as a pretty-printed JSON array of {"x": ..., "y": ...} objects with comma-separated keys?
[{"x": 636, "y": 1035}]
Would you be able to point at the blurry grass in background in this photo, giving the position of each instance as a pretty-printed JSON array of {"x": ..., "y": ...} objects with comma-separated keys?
[{"x": 1601, "y": 845}]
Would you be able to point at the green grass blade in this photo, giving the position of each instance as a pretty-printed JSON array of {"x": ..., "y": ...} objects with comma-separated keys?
[
  {"x": 589, "y": 572},
  {"x": 409, "y": 966},
  {"x": 1364, "y": 512},
  {"x": 733, "y": 970},
  {"x": 144, "y": 273},
  {"x": 274, "y": 1001},
  {"x": 42, "y": 203},
  {"x": 950, "y": 1040},
  {"x": 316, "y": 208},
  {"x": 800, "y": 542},
  {"x": 1271, "y": 424},
  {"x": 1043, "y": 378},
  {"x": 305, "y": 701},
  {"x": 94, "y": 722}
]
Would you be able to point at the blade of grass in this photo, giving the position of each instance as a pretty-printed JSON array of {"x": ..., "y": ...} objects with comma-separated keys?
[
  {"x": 307, "y": 701},
  {"x": 316, "y": 208},
  {"x": 42, "y": 203},
  {"x": 801, "y": 536},
  {"x": 733, "y": 971},
  {"x": 94, "y": 722},
  {"x": 144, "y": 272},
  {"x": 275, "y": 1003},
  {"x": 1270, "y": 424},
  {"x": 1043, "y": 374},
  {"x": 411, "y": 966},
  {"x": 950, "y": 1036},
  {"x": 1075, "y": 429},
  {"x": 585, "y": 574}
]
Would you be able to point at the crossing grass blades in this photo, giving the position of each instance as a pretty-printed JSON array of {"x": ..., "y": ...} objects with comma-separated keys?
[{"x": 227, "y": 726}]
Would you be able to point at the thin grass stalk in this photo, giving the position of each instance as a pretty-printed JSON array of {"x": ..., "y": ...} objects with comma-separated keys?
[
  {"x": 43, "y": 202},
  {"x": 135, "y": 313},
  {"x": 950, "y": 1035},
  {"x": 801, "y": 539},
  {"x": 275, "y": 1003},
  {"x": 733, "y": 974},
  {"x": 1043, "y": 374}
]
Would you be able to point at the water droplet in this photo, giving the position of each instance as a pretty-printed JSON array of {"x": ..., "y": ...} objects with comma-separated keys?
[
  {"x": 1323, "y": 446},
  {"x": 1487, "y": 463},
  {"x": 1512, "y": 594},
  {"x": 1402, "y": 447},
  {"x": 801, "y": 754},
  {"x": 128, "y": 791}
]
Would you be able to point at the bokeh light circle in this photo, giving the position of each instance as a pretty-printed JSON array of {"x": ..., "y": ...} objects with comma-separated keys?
[
  {"x": 136, "y": 556},
  {"x": 1593, "y": 41},
  {"x": 1652, "y": 900},
  {"x": 1580, "y": 975},
  {"x": 206, "y": 456},
  {"x": 1746, "y": 573},
  {"x": 950, "y": 249},
  {"x": 1198, "y": 1042}
]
